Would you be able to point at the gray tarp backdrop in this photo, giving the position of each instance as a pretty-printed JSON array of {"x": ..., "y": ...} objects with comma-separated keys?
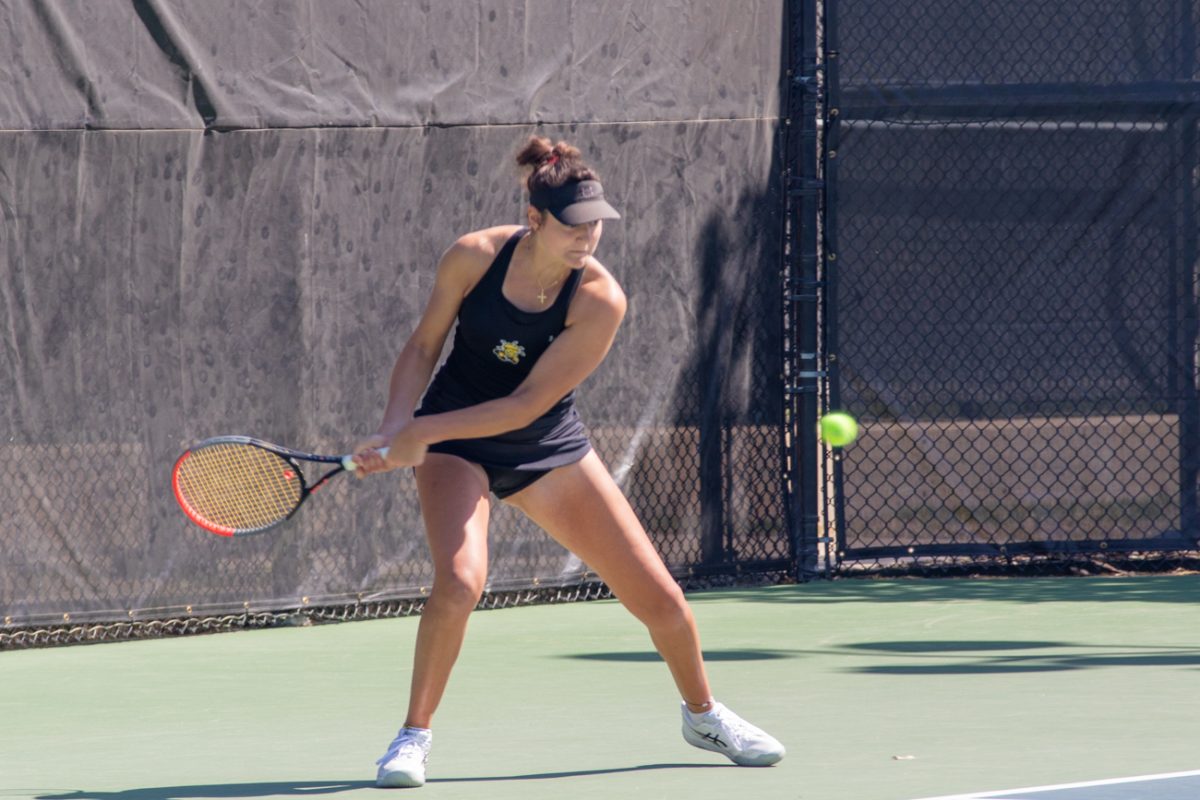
[{"x": 224, "y": 217}]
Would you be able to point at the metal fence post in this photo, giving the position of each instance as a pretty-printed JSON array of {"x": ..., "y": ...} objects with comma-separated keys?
[{"x": 802, "y": 251}]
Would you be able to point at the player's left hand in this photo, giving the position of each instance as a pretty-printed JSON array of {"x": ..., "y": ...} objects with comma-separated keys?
[{"x": 405, "y": 449}]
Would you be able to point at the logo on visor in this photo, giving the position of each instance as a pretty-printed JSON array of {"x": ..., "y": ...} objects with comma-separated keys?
[
  {"x": 509, "y": 352},
  {"x": 588, "y": 190}
]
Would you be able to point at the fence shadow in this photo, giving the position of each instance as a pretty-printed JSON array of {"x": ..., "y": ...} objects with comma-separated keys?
[{"x": 1180, "y": 589}]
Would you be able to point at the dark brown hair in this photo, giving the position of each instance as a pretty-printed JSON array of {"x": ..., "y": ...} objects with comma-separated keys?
[{"x": 552, "y": 165}]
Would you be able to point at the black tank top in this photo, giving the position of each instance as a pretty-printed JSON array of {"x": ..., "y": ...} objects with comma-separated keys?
[{"x": 495, "y": 347}]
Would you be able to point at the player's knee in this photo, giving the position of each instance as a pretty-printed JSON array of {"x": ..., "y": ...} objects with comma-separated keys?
[
  {"x": 665, "y": 611},
  {"x": 460, "y": 589}
]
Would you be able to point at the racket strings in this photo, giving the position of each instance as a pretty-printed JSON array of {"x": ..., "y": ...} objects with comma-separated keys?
[{"x": 239, "y": 486}]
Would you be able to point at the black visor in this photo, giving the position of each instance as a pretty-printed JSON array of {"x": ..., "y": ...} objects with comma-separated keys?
[{"x": 574, "y": 203}]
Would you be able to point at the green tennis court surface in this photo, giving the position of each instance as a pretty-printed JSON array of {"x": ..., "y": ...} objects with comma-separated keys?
[{"x": 882, "y": 690}]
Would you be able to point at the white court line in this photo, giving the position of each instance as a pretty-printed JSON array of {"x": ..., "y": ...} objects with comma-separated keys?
[{"x": 1002, "y": 792}]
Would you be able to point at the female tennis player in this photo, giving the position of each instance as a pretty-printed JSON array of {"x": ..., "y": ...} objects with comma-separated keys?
[{"x": 536, "y": 315}]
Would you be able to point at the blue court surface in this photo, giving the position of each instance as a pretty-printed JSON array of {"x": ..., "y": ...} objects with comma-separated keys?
[{"x": 1171, "y": 786}]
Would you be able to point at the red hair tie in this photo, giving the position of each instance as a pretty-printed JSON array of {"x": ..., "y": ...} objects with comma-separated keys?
[{"x": 552, "y": 160}]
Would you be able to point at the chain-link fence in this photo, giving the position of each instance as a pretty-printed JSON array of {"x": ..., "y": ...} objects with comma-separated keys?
[{"x": 1011, "y": 269}]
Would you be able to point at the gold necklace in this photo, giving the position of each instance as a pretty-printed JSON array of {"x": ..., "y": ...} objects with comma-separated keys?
[{"x": 542, "y": 289}]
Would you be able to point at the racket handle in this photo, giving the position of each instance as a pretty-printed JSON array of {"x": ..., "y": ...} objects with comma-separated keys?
[{"x": 348, "y": 461}]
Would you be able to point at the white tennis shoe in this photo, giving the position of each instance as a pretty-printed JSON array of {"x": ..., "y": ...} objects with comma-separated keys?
[
  {"x": 403, "y": 765},
  {"x": 722, "y": 731}
]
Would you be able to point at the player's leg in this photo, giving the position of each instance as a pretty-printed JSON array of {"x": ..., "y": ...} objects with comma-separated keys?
[
  {"x": 454, "y": 505},
  {"x": 584, "y": 510}
]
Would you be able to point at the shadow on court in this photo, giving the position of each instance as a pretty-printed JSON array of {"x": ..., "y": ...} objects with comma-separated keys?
[
  {"x": 1182, "y": 589},
  {"x": 582, "y": 773},
  {"x": 308, "y": 788},
  {"x": 270, "y": 789},
  {"x": 644, "y": 656},
  {"x": 986, "y": 657}
]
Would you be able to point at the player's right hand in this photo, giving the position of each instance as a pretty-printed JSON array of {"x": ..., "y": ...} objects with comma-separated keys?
[{"x": 367, "y": 457}]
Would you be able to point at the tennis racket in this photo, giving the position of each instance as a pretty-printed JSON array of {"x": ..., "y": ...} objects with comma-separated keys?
[{"x": 235, "y": 485}]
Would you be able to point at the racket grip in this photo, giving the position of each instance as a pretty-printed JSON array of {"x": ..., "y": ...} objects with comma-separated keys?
[{"x": 350, "y": 466}]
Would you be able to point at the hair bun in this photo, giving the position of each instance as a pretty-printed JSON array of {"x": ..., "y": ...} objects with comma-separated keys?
[{"x": 552, "y": 163}]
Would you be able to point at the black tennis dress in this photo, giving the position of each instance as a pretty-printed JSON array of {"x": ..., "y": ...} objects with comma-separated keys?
[{"x": 495, "y": 347}]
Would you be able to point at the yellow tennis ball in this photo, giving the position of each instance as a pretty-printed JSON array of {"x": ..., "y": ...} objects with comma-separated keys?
[{"x": 838, "y": 429}]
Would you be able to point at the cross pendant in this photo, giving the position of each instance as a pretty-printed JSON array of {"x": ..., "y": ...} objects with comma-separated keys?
[{"x": 542, "y": 297}]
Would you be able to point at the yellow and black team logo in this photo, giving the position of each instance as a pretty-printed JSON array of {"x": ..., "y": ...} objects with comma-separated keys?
[{"x": 509, "y": 352}]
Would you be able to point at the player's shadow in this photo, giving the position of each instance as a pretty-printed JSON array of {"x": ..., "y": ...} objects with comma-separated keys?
[
  {"x": 581, "y": 773},
  {"x": 218, "y": 790},
  {"x": 314, "y": 788},
  {"x": 642, "y": 656}
]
